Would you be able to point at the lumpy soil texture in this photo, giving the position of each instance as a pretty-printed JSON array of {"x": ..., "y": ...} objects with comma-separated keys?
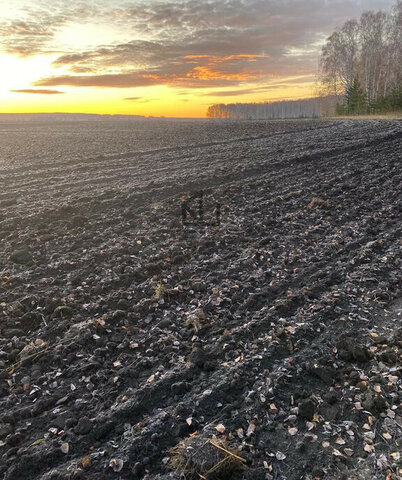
[{"x": 266, "y": 345}]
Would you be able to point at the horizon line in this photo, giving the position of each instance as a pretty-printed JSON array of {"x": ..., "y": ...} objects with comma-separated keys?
[{"x": 96, "y": 114}]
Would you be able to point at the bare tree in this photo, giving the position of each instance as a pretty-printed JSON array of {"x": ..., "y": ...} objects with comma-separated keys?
[
  {"x": 373, "y": 49},
  {"x": 339, "y": 61},
  {"x": 393, "y": 78}
]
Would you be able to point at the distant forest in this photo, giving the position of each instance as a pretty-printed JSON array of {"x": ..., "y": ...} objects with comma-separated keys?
[
  {"x": 304, "y": 108},
  {"x": 360, "y": 73}
]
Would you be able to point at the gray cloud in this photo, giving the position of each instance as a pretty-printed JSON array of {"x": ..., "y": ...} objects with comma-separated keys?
[
  {"x": 27, "y": 38},
  {"x": 32, "y": 29},
  {"x": 41, "y": 91},
  {"x": 140, "y": 99},
  {"x": 108, "y": 80},
  {"x": 187, "y": 43},
  {"x": 136, "y": 79},
  {"x": 243, "y": 91}
]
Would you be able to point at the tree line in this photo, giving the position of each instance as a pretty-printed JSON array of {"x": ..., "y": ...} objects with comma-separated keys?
[
  {"x": 361, "y": 63},
  {"x": 304, "y": 108}
]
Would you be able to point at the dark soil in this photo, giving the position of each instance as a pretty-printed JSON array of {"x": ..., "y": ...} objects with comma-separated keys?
[{"x": 123, "y": 332}]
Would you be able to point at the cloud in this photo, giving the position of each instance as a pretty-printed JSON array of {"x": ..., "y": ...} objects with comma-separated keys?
[
  {"x": 132, "y": 99},
  {"x": 242, "y": 91},
  {"x": 132, "y": 80},
  {"x": 195, "y": 71},
  {"x": 183, "y": 43},
  {"x": 286, "y": 83},
  {"x": 41, "y": 91},
  {"x": 31, "y": 31}
]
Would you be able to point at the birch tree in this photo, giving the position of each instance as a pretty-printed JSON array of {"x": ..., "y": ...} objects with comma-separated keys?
[{"x": 368, "y": 51}]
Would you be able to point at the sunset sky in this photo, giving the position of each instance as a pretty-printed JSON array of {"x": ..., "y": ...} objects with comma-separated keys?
[{"x": 171, "y": 58}]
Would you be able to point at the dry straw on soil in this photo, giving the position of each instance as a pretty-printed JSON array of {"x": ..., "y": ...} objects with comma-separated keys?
[{"x": 207, "y": 459}]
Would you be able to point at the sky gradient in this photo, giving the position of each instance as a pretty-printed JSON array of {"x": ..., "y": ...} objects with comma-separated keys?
[{"x": 162, "y": 58}]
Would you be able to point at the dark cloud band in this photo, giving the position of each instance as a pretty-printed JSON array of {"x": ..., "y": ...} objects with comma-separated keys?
[{"x": 38, "y": 91}]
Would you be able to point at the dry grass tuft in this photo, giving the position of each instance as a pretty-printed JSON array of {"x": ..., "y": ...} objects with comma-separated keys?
[
  {"x": 160, "y": 291},
  {"x": 207, "y": 459}
]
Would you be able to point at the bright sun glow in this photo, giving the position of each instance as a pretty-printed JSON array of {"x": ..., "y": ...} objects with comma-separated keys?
[{"x": 18, "y": 73}]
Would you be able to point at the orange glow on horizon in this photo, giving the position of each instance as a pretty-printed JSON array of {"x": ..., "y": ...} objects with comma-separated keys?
[
  {"x": 163, "y": 101},
  {"x": 182, "y": 94}
]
